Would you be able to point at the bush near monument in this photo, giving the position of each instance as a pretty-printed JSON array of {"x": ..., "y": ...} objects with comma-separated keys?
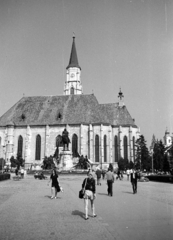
[
  {"x": 4, "y": 176},
  {"x": 83, "y": 163},
  {"x": 48, "y": 162},
  {"x": 18, "y": 162}
]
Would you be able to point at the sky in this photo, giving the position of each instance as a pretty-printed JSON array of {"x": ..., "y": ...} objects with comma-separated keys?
[{"x": 125, "y": 44}]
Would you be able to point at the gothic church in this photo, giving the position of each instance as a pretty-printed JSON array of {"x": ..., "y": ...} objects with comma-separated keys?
[{"x": 103, "y": 132}]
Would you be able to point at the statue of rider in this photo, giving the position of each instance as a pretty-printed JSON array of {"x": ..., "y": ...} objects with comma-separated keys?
[{"x": 65, "y": 138}]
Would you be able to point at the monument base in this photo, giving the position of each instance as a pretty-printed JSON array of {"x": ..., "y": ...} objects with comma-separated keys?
[{"x": 66, "y": 162}]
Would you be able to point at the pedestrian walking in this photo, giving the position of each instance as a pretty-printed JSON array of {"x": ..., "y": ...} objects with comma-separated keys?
[
  {"x": 22, "y": 173},
  {"x": 121, "y": 173},
  {"x": 134, "y": 180},
  {"x": 98, "y": 174},
  {"x": 55, "y": 188},
  {"x": 90, "y": 194},
  {"x": 118, "y": 175},
  {"x": 128, "y": 174},
  {"x": 103, "y": 174},
  {"x": 89, "y": 170},
  {"x": 110, "y": 181},
  {"x": 16, "y": 171}
]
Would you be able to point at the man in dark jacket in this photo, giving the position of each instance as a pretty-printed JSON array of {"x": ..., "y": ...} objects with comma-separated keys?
[
  {"x": 134, "y": 180},
  {"x": 98, "y": 174},
  {"x": 110, "y": 181}
]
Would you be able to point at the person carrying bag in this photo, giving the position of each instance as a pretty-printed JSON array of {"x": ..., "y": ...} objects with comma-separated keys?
[
  {"x": 82, "y": 192},
  {"x": 89, "y": 187}
]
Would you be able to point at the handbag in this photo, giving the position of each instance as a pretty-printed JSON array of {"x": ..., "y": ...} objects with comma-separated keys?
[{"x": 82, "y": 191}]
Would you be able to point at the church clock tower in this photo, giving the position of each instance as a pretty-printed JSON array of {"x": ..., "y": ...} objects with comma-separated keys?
[{"x": 73, "y": 74}]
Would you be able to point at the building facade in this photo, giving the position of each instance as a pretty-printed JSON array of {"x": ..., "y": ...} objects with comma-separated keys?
[{"x": 104, "y": 132}]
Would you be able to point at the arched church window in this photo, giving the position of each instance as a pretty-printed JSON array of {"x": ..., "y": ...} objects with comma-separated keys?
[
  {"x": 116, "y": 148},
  {"x": 72, "y": 90},
  {"x": 125, "y": 148},
  {"x": 105, "y": 148},
  {"x": 20, "y": 146},
  {"x": 38, "y": 148},
  {"x": 58, "y": 142},
  {"x": 75, "y": 145},
  {"x": 134, "y": 149},
  {"x": 96, "y": 148}
]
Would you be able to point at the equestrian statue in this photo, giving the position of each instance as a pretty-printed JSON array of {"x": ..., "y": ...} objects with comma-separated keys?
[
  {"x": 65, "y": 139},
  {"x": 62, "y": 141}
]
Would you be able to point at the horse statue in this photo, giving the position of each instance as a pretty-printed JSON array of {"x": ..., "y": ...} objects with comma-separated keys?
[
  {"x": 65, "y": 140},
  {"x": 62, "y": 141}
]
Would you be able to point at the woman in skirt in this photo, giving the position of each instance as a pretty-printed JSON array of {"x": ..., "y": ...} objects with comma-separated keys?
[{"x": 55, "y": 188}]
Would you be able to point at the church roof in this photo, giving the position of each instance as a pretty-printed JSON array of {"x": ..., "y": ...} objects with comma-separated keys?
[
  {"x": 117, "y": 115},
  {"x": 66, "y": 109},
  {"x": 73, "y": 62}
]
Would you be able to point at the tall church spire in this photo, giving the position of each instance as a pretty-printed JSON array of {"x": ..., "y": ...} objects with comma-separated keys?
[
  {"x": 73, "y": 74},
  {"x": 73, "y": 62}
]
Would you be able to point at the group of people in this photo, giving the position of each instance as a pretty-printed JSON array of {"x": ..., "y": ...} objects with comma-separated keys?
[
  {"x": 21, "y": 172},
  {"x": 89, "y": 186}
]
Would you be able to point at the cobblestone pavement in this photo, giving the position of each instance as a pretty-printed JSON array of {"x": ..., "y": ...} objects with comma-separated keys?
[{"x": 28, "y": 213}]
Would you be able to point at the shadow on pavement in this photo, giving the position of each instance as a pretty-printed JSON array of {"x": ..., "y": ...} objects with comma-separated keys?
[
  {"x": 128, "y": 192},
  {"x": 79, "y": 213},
  {"x": 102, "y": 194},
  {"x": 48, "y": 196}
]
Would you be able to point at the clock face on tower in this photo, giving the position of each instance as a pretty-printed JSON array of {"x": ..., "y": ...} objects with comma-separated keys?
[{"x": 72, "y": 75}]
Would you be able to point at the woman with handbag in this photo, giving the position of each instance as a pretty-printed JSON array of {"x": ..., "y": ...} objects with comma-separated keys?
[
  {"x": 55, "y": 184},
  {"x": 89, "y": 187}
]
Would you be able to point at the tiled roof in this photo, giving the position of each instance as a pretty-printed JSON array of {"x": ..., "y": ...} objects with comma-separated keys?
[
  {"x": 117, "y": 115},
  {"x": 67, "y": 109}
]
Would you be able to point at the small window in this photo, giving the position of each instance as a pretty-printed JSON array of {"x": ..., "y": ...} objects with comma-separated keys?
[
  {"x": 38, "y": 148},
  {"x": 59, "y": 116},
  {"x": 134, "y": 149},
  {"x": 72, "y": 91},
  {"x": 75, "y": 145},
  {"x": 97, "y": 148},
  {"x": 116, "y": 148},
  {"x": 23, "y": 117},
  {"x": 125, "y": 148},
  {"x": 105, "y": 148},
  {"x": 20, "y": 146}
]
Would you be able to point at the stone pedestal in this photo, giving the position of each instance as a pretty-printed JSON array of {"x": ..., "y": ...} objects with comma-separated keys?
[{"x": 66, "y": 161}]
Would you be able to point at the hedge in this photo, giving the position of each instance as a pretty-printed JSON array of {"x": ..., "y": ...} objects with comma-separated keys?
[
  {"x": 4, "y": 176},
  {"x": 48, "y": 172},
  {"x": 161, "y": 178}
]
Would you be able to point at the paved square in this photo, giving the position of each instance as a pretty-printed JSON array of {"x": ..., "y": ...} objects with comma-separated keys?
[{"x": 27, "y": 212}]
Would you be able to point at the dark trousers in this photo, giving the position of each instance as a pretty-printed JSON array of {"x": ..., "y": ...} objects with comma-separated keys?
[
  {"x": 118, "y": 176},
  {"x": 134, "y": 186},
  {"x": 110, "y": 190}
]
